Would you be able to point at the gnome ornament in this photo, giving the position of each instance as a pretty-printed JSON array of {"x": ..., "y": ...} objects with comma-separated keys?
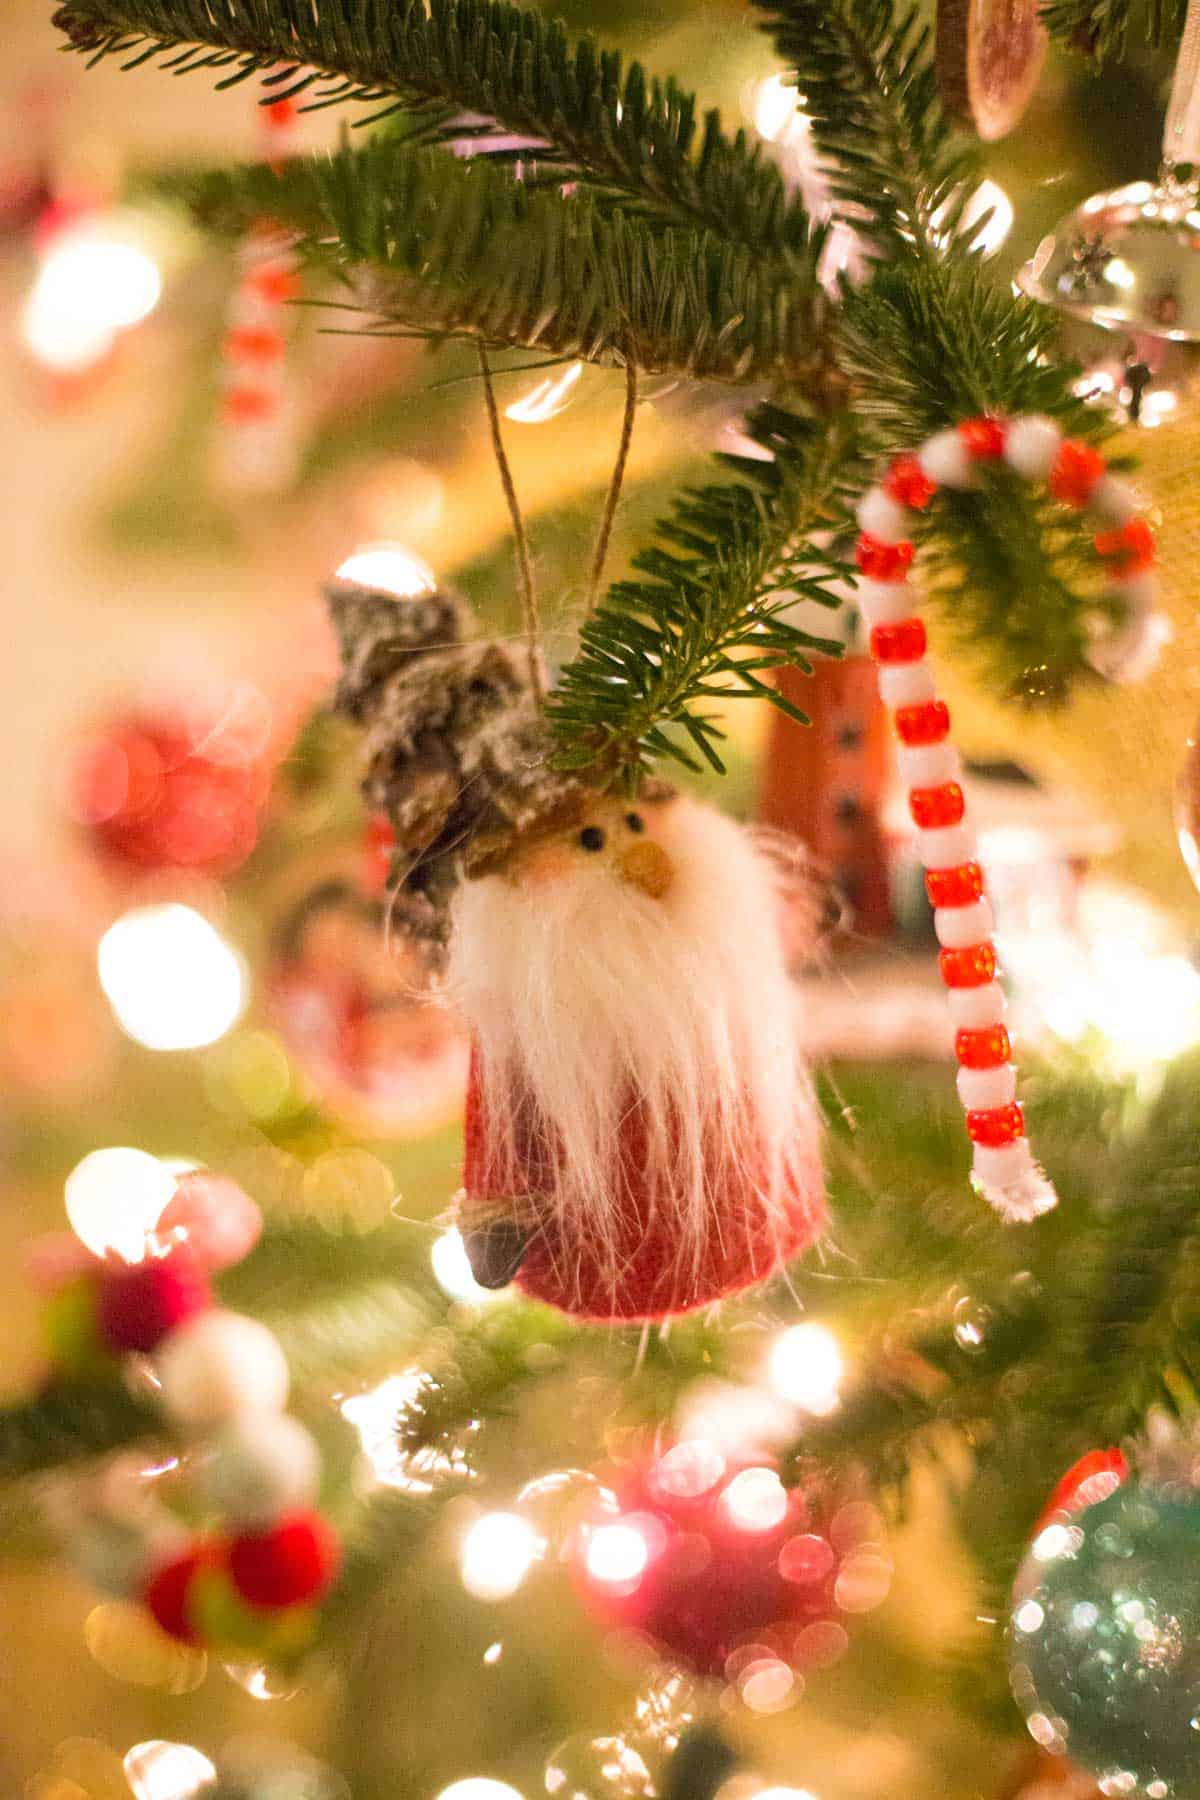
[{"x": 641, "y": 1134}]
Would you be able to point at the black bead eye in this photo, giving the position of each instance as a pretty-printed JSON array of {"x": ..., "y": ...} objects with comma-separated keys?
[
  {"x": 635, "y": 821},
  {"x": 592, "y": 838}
]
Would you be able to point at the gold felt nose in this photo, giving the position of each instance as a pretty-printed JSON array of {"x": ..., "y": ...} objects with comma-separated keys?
[{"x": 647, "y": 866}]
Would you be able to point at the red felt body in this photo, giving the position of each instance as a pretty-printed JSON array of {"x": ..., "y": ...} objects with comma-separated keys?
[
  {"x": 744, "y": 1243},
  {"x": 294, "y": 1561},
  {"x": 140, "y": 1305}
]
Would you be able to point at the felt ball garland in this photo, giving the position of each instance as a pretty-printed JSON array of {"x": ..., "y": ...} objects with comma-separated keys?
[
  {"x": 1004, "y": 1170},
  {"x": 251, "y": 1581}
]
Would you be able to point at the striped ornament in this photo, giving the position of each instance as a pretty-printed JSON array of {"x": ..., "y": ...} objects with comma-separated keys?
[{"x": 1004, "y": 1169}]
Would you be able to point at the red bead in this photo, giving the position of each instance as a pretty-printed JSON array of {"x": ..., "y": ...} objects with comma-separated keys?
[
  {"x": 246, "y": 405},
  {"x": 972, "y": 967},
  {"x": 983, "y": 437},
  {"x": 883, "y": 562},
  {"x": 925, "y": 724},
  {"x": 902, "y": 643},
  {"x": 274, "y": 284},
  {"x": 1131, "y": 547},
  {"x": 907, "y": 482},
  {"x": 166, "y": 1593},
  {"x": 254, "y": 343},
  {"x": 996, "y": 1126},
  {"x": 138, "y": 1306},
  {"x": 293, "y": 1562},
  {"x": 954, "y": 887},
  {"x": 933, "y": 807},
  {"x": 1076, "y": 471},
  {"x": 988, "y": 1048},
  {"x": 1096, "y": 1475}
]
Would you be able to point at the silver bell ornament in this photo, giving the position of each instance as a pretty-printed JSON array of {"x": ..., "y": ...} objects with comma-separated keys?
[{"x": 1123, "y": 269}]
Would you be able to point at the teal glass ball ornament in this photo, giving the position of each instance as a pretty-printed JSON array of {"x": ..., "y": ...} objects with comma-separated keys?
[{"x": 1105, "y": 1641}]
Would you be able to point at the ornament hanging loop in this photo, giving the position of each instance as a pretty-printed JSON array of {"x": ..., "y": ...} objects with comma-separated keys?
[{"x": 529, "y": 601}]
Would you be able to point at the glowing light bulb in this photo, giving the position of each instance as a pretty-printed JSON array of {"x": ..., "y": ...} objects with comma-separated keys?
[
  {"x": 617, "y": 1555},
  {"x": 158, "y": 1770},
  {"x": 989, "y": 207},
  {"x": 546, "y": 399},
  {"x": 480, "y": 1787},
  {"x": 171, "y": 979},
  {"x": 756, "y": 1500},
  {"x": 389, "y": 569},
  {"x": 92, "y": 285},
  {"x": 806, "y": 1368},
  {"x": 497, "y": 1554},
  {"x": 452, "y": 1270},
  {"x": 776, "y": 109},
  {"x": 114, "y": 1199}
]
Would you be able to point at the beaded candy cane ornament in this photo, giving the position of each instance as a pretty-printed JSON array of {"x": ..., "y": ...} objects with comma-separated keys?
[{"x": 1004, "y": 1169}]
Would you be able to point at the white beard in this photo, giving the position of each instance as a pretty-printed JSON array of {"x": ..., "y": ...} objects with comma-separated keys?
[{"x": 584, "y": 993}]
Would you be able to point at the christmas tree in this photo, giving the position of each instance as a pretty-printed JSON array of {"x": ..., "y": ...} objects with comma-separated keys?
[{"x": 566, "y": 1360}]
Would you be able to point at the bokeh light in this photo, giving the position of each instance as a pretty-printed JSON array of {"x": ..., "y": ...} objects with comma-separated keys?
[
  {"x": 756, "y": 1500},
  {"x": 388, "y": 568},
  {"x": 93, "y": 283},
  {"x": 617, "y": 1554},
  {"x": 546, "y": 399},
  {"x": 159, "y": 1770},
  {"x": 805, "y": 1368},
  {"x": 114, "y": 1199},
  {"x": 497, "y": 1554},
  {"x": 171, "y": 979},
  {"x": 480, "y": 1787}
]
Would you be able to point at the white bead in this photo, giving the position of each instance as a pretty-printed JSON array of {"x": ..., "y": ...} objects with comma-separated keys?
[
  {"x": 974, "y": 1009},
  {"x": 1011, "y": 1181},
  {"x": 958, "y": 927},
  {"x": 1114, "y": 500},
  {"x": 906, "y": 684},
  {"x": 886, "y": 602},
  {"x": 946, "y": 846},
  {"x": 1031, "y": 445},
  {"x": 883, "y": 518},
  {"x": 1139, "y": 591},
  {"x": 947, "y": 461},
  {"x": 260, "y": 1466},
  {"x": 117, "y": 1556},
  {"x": 218, "y": 1365},
  {"x": 987, "y": 1087},
  {"x": 928, "y": 765}
]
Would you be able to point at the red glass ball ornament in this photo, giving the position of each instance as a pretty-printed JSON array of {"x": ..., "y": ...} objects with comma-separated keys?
[
  {"x": 983, "y": 437},
  {"x": 960, "y": 886},
  {"x": 883, "y": 562},
  {"x": 138, "y": 1305},
  {"x": 927, "y": 723},
  {"x": 973, "y": 967},
  {"x": 902, "y": 643},
  {"x": 295, "y": 1561},
  {"x": 725, "y": 1570},
  {"x": 1076, "y": 472},
  {"x": 988, "y": 1048},
  {"x": 907, "y": 482},
  {"x": 996, "y": 1126},
  {"x": 934, "y": 807},
  {"x": 166, "y": 1594},
  {"x": 154, "y": 797}
]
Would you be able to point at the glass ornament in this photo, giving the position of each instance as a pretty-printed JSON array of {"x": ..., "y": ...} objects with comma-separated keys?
[
  {"x": 1105, "y": 1642},
  {"x": 1128, "y": 261}
]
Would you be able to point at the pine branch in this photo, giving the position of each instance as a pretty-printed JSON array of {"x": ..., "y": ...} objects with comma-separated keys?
[
  {"x": 70, "y": 1423},
  {"x": 459, "y": 248},
  {"x": 1101, "y": 29},
  {"x": 928, "y": 343},
  {"x": 710, "y": 616},
  {"x": 869, "y": 87},
  {"x": 637, "y": 140}
]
